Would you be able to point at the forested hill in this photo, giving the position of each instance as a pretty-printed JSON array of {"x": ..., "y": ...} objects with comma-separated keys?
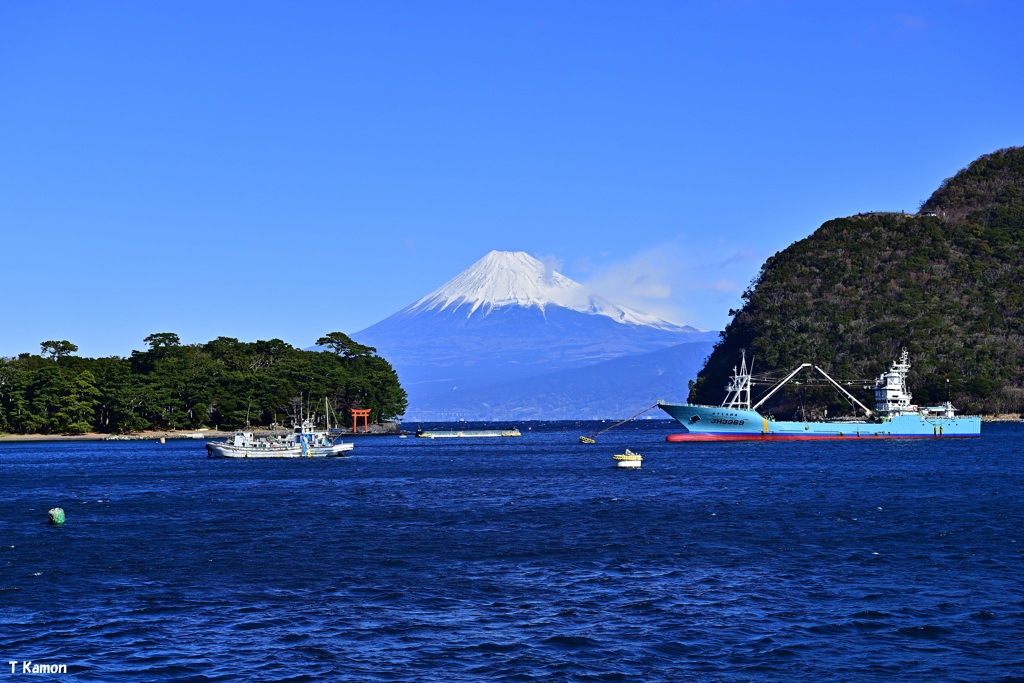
[
  {"x": 224, "y": 383},
  {"x": 947, "y": 284}
]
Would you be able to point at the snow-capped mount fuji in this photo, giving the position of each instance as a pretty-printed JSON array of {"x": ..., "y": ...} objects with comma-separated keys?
[
  {"x": 506, "y": 319},
  {"x": 514, "y": 278}
]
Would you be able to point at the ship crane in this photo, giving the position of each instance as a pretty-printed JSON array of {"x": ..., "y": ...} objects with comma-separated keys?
[
  {"x": 837, "y": 385},
  {"x": 779, "y": 386},
  {"x": 847, "y": 394}
]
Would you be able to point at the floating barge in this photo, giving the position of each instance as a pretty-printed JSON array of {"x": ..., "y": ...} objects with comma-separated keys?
[{"x": 466, "y": 433}]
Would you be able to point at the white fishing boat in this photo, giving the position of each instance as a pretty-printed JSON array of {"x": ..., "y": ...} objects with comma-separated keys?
[{"x": 306, "y": 441}]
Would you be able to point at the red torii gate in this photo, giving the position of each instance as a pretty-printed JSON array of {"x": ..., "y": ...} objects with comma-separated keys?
[{"x": 360, "y": 413}]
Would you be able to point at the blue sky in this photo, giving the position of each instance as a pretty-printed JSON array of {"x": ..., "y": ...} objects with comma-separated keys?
[{"x": 270, "y": 169}]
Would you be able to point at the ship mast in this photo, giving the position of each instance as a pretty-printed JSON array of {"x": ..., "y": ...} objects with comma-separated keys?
[{"x": 737, "y": 394}]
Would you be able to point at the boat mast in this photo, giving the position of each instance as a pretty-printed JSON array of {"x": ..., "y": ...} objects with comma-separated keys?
[{"x": 737, "y": 395}]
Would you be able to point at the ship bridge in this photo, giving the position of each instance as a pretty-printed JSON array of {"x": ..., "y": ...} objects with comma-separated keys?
[{"x": 891, "y": 394}]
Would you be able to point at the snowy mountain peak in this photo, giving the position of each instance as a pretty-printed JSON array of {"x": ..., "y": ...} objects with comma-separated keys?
[
  {"x": 502, "y": 278},
  {"x": 514, "y": 278}
]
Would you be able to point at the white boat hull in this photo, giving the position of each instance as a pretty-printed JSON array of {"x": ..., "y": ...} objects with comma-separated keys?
[{"x": 227, "y": 450}]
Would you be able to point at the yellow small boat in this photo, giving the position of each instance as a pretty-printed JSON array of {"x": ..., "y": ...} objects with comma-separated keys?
[{"x": 628, "y": 459}]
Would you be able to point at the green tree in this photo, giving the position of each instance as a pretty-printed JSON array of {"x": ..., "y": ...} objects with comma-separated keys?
[
  {"x": 162, "y": 340},
  {"x": 58, "y": 349},
  {"x": 343, "y": 345},
  {"x": 75, "y": 408}
]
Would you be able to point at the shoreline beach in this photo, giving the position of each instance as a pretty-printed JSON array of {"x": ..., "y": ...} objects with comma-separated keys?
[
  {"x": 204, "y": 435},
  {"x": 138, "y": 436}
]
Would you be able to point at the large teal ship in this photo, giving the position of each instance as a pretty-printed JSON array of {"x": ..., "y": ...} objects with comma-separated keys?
[{"x": 894, "y": 416}]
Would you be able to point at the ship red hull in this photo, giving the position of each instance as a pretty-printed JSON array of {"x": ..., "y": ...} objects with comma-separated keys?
[{"x": 686, "y": 438}]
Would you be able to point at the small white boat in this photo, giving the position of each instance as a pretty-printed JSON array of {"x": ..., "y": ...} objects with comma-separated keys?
[{"x": 628, "y": 459}]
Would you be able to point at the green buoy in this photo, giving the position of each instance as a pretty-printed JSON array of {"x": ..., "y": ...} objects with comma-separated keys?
[{"x": 56, "y": 516}]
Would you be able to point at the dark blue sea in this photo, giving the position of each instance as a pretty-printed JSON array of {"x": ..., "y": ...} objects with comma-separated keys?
[{"x": 522, "y": 559}]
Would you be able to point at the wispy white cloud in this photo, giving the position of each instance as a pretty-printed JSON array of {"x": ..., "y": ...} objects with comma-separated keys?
[
  {"x": 725, "y": 286},
  {"x": 910, "y": 21},
  {"x": 552, "y": 264},
  {"x": 643, "y": 281},
  {"x": 732, "y": 257},
  {"x": 675, "y": 280},
  {"x": 896, "y": 28}
]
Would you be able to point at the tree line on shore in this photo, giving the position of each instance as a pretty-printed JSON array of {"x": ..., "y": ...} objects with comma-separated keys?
[{"x": 224, "y": 383}]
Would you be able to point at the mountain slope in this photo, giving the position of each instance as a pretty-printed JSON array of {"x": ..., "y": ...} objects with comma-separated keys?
[
  {"x": 947, "y": 284},
  {"x": 612, "y": 389},
  {"x": 505, "y": 319}
]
